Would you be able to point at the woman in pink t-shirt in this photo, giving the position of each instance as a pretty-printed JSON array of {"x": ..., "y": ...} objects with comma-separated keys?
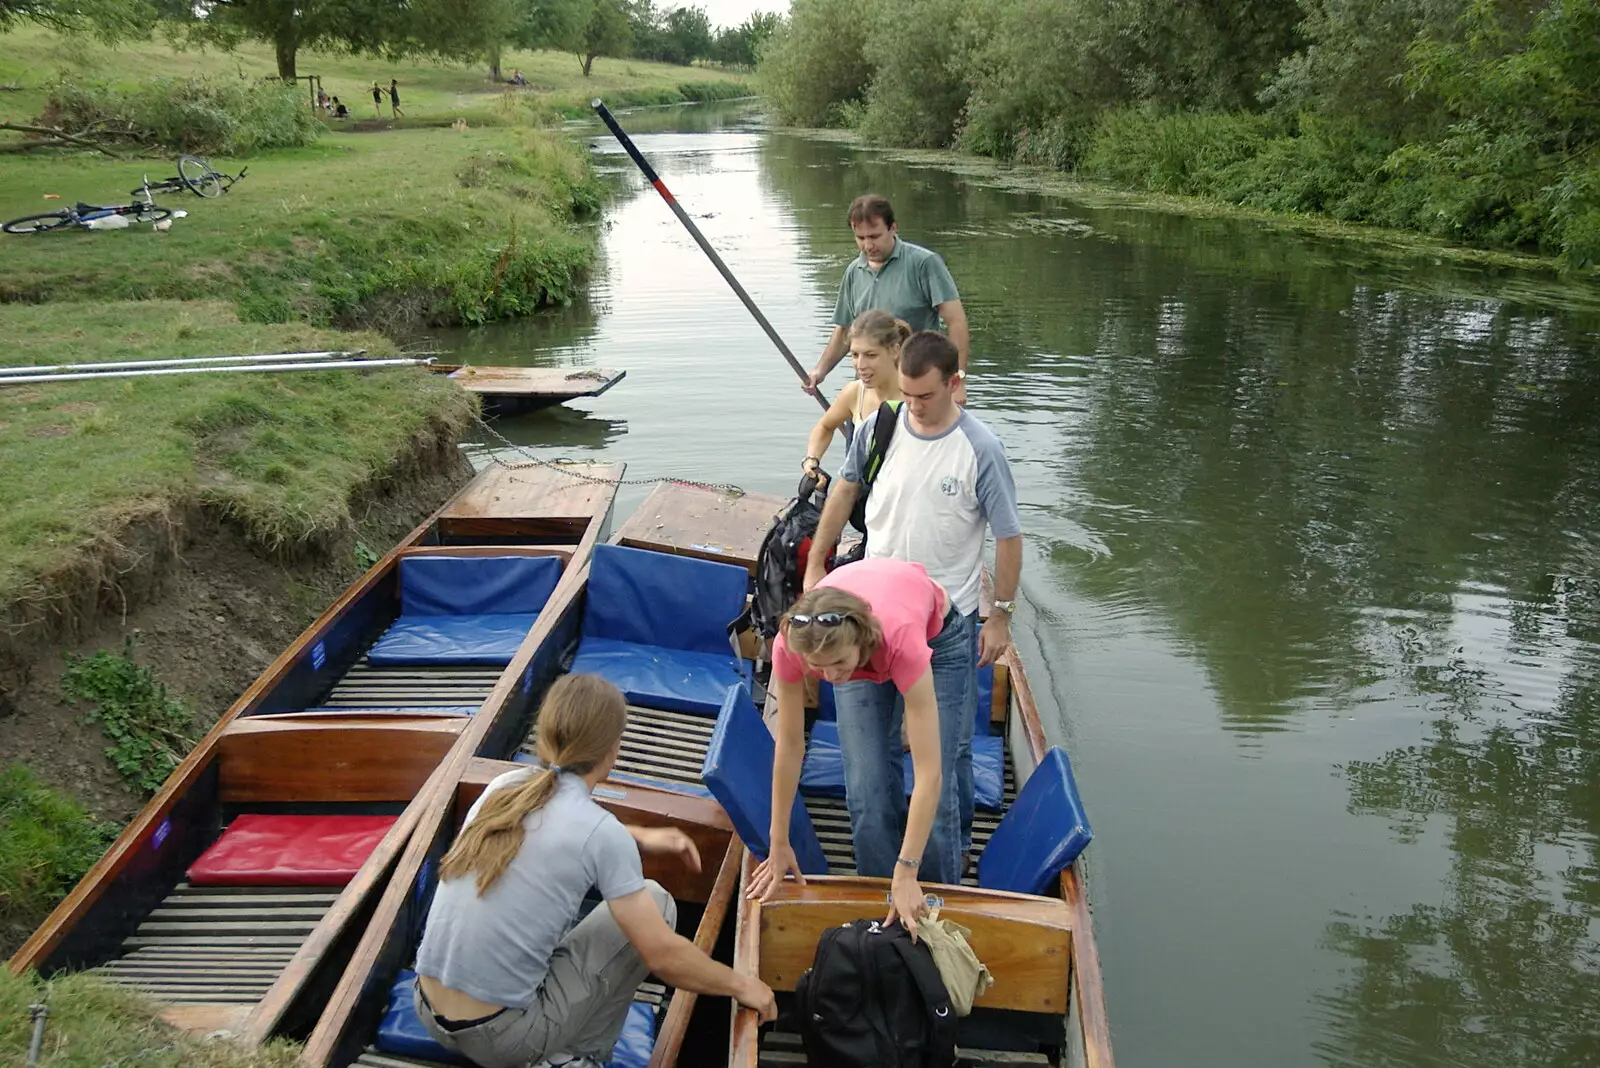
[{"x": 886, "y": 636}]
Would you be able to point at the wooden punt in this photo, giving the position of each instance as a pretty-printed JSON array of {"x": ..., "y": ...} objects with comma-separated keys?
[
  {"x": 322, "y": 731},
  {"x": 662, "y": 747},
  {"x": 517, "y": 390},
  {"x": 1047, "y": 1006}
]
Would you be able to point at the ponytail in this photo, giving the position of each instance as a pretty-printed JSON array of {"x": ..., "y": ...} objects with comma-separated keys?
[{"x": 580, "y": 726}]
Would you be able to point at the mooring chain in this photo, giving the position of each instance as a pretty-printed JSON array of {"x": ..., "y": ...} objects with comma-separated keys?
[{"x": 569, "y": 467}]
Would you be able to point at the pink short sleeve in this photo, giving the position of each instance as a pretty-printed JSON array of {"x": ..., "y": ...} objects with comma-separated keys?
[{"x": 786, "y": 666}]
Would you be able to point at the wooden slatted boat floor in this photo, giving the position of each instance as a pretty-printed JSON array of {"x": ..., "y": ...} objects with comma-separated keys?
[
  {"x": 366, "y": 686},
  {"x": 780, "y": 1049},
  {"x": 670, "y": 746},
  {"x": 372, "y": 1057},
  {"x": 219, "y": 945}
]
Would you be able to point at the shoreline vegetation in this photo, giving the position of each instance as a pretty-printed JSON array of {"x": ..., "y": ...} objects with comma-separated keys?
[
  {"x": 1472, "y": 122},
  {"x": 220, "y": 512}
]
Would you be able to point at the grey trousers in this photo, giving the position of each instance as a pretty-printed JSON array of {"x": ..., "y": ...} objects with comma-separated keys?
[{"x": 579, "y": 1009}]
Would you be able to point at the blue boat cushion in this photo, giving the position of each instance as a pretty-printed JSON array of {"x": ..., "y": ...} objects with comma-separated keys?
[
  {"x": 401, "y": 1032},
  {"x": 657, "y": 599},
  {"x": 476, "y": 585},
  {"x": 465, "y": 609},
  {"x": 482, "y": 639},
  {"x": 678, "y": 680},
  {"x": 980, "y": 724},
  {"x": 1042, "y": 833},
  {"x": 738, "y": 769},
  {"x": 822, "y": 773},
  {"x": 689, "y": 788}
]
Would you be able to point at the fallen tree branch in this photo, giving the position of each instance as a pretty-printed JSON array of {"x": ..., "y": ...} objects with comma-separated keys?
[{"x": 62, "y": 135}]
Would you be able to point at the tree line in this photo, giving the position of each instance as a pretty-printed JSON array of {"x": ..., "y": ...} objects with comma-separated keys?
[
  {"x": 468, "y": 30},
  {"x": 1474, "y": 120}
]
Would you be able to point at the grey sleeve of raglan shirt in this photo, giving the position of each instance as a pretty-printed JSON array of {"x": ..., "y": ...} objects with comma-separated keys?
[
  {"x": 855, "y": 460},
  {"x": 618, "y": 870},
  {"x": 997, "y": 490}
]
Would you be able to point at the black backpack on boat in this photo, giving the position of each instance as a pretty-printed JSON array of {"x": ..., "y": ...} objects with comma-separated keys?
[
  {"x": 872, "y": 997},
  {"x": 781, "y": 560}
]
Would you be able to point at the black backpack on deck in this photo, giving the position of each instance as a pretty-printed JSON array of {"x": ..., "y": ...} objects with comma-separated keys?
[
  {"x": 872, "y": 997},
  {"x": 781, "y": 563}
]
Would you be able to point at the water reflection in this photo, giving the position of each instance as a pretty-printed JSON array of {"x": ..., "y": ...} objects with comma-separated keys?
[{"x": 1504, "y": 967}]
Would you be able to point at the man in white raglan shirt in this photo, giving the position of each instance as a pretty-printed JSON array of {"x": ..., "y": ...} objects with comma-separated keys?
[{"x": 943, "y": 480}]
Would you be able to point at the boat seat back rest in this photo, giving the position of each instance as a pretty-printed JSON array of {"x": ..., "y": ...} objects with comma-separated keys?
[
  {"x": 1042, "y": 833},
  {"x": 738, "y": 769},
  {"x": 465, "y": 609},
  {"x": 655, "y": 625},
  {"x": 476, "y": 585}
]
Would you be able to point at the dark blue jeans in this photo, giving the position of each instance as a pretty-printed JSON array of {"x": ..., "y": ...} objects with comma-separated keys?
[{"x": 874, "y": 779}]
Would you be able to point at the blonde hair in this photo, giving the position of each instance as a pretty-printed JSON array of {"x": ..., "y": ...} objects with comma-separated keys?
[
  {"x": 881, "y": 328},
  {"x": 580, "y": 725},
  {"x": 859, "y": 627}
]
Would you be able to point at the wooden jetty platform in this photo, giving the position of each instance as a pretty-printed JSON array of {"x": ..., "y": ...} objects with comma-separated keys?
[{"x": 515, "y": 390}]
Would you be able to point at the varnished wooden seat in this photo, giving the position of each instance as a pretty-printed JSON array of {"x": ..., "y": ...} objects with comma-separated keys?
[{"x": 1026, "y": 941}]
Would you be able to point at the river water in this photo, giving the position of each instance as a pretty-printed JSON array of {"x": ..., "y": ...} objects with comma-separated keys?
[{"x": 1312, "y": 584}]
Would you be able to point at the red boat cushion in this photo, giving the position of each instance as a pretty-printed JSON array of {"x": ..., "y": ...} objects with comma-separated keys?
[{"x": 259, "y": 850}]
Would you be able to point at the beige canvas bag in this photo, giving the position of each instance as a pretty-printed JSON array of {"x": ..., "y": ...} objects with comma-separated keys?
[{"x": 965, "y": 976}]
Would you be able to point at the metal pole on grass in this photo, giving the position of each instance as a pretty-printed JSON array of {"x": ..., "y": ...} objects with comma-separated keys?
[
  {"x": 241, "y": 368},
  {"x": 700, "y": 239},
  {"x": 184, "y": 361}
]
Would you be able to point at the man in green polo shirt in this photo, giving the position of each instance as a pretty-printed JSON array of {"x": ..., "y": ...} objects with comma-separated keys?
[{"x": 905, "y": 280}]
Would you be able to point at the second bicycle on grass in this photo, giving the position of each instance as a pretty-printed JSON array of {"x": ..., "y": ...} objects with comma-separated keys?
[
  {"x": 197, "y": 176},
  {"x": 83, "y": 216}
]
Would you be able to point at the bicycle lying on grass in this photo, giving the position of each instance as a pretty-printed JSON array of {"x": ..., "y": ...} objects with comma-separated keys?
[
  {"x": 194, "y": 174},
  {"x": 198, "y": 177},
  {"x": 83, "y": 216}
]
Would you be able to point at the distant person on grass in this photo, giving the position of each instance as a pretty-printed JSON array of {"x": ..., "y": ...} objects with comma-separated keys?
[
  {"x": 394, "y": 99},
  {"x": 905, "y": 280},
  {"x": 377, "y": 100},
  {"x": 339, "y": 110}
]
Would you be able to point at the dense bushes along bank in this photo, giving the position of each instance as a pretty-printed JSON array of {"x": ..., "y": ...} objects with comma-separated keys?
[{"x": 1473, "y": 120}]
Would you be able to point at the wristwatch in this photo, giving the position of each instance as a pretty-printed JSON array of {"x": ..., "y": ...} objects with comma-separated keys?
[{"x": 1008, "y": 607}]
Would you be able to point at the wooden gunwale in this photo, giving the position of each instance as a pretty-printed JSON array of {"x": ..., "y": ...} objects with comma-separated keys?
[{"x": 1087, "y": 979}]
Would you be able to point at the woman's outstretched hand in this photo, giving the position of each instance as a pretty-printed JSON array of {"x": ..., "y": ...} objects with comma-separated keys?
[{"x": 770, "y": 872}]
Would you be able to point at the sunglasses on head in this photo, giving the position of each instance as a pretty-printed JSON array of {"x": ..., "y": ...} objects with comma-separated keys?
[{"x": 820, "y": 619}]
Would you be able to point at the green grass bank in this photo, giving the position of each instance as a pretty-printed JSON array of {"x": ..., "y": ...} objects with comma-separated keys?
[{"x": 96, "y": 1024}]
